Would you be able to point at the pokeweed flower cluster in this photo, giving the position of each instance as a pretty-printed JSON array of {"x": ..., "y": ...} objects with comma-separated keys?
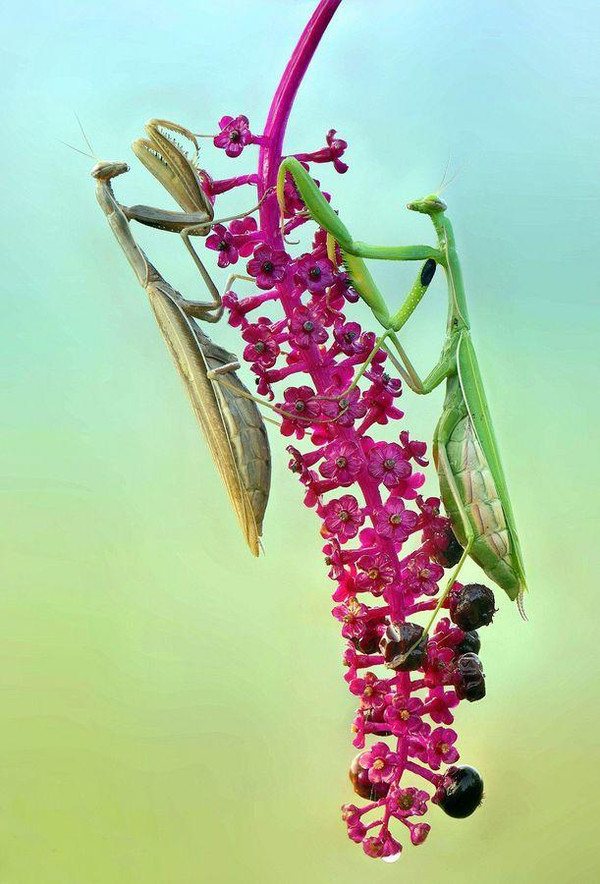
[{"x": 386, "y": 545}]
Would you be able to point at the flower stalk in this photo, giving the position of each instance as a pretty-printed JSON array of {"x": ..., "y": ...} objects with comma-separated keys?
[{"x": 385, "y": 545}]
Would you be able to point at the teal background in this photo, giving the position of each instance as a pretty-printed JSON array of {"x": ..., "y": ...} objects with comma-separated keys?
[{"x": 170, "y": 709}]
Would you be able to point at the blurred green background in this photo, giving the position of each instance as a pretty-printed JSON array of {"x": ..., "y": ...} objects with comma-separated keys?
[{"x": 170, "y": 709}]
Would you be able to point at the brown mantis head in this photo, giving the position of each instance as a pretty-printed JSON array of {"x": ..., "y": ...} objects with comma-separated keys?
[{"x": 104, "y": 170}]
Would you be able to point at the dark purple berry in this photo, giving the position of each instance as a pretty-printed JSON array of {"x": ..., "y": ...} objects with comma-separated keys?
[
  {"x": 397, "y": 646},
  {"x": 468, "y": 678},
  {"x": 460, "y": 791},
  {"x": 451, "y": 553},
  {"x": 471, "y": 643},
  {"x": 472, "y": 606},
  {"x": 369, "y": 642},
  {"x": 361, "y": 783}
]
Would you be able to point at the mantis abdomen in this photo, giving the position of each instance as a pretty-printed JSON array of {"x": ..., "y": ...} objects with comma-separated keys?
[{"x": 468, "y": 490}]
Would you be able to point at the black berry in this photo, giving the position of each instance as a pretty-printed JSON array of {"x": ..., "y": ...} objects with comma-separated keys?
[
  {"x": 460, "y": 792},
  {"x": 472, "y": 606},
  {"x": 471, "y": 643},
  {"x": 397, "y": 646},
  {"x": 468, "y": 678}
]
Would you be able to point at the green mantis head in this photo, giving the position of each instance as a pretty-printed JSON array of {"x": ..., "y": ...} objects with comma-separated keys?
[{"x": 429, "y": 205}]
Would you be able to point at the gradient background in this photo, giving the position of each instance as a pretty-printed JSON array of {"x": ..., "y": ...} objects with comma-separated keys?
[{"x": 170, "y": 709}]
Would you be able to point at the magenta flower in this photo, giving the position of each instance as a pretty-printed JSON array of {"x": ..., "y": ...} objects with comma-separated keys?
[
  {"x": 371, "y": 691},
  {"x": 221, "y": 241},
  {"x": 415, "y": 449},
  {"x": 300, "y": 401},
  {"x": 346, "y": 410},
  {"x": 441, "y": 747},
  {"x": 246, "y": 234},
  {"x": 268, "y": 266},
  {"x": 439, "y": 704},
  {"x": 314, "y": 274},
  {"x": 343, "y": 517},
  {"x": 347, "y": 337},
  {"x": 387, "y": 463},
  {"x": 375, "y": 573},
  {"x": 421, "y": 575},
  {"x": 403, "y": 714},
  {"x": 394, "y": 520},
  {"x": 352, "y": 615},
  {"x": 379, "y": 762},
  {"x": 305, "y": 328},
  {"x": 235, "y": 134},
  {"x": 261, "y": 347},
  {"x": 343, "y": 462},
  {"x": 408, "y": 802}
]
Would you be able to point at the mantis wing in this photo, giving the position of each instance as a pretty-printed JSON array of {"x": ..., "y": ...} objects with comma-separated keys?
[
  {"x": 187, "y": 352},
  {"x": 474, "y": 396}
]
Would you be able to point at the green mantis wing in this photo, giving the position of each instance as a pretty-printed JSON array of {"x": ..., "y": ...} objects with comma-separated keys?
[{"x": 475, "y": 399}]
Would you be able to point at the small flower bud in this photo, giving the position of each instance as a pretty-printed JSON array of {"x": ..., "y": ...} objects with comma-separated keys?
[
  {"x": 472, "y": 606},
  {"x": 451, "y": 553},
  {"x": 471, "y": 643},
  {"x": 468, "y": 678},
  {"x": 460, "y": 791},
  {"x": 419, "y": 833},
  {"x": 397, "y": 646},
  {"x": 362, "y": 785}
]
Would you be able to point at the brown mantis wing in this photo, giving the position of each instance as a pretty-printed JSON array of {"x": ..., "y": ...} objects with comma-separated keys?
[{"x": 231, "y": 424}]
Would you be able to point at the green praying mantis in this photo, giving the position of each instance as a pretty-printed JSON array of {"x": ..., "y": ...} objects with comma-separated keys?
[
  {"x": 472, "y": 483},
  {"x": 226, "y": 411}
]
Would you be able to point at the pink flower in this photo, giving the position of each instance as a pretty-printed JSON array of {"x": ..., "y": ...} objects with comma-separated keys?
[
  {"x": 394, "y": 520},
  {"x": 414, "y": 450},
  {"x": 235, "y": 134},
  {"x": 261, "y": 347},
  {"x": 371, "y": 691},
  {"x": 314, "y": 274},
  {"x": 268, "y": 266},
  {"x": 245, "y": 235},
  {"x": 347, "y": 337},
  {"x": 404, "y": 714},
  {"x": 387, "y": 463},
  {"x": 300, "y": 401},
  {"x": 441, "y": 747},
  {"x": 345, "y": 410},
  {"x": 439, "y": 704},
  {"x": 343, "y": 517},
  {"x": 376, "y": 572},
  {"x": 305, "y": 328},
  {"x": 222, "y": 241},
  {"x": 438, "y": 669},
  {"x": 408, "y": 802},
  {"x": 380, "y": 763},
  {"x": 343, "y": 462},
  {"x": 352, "y": 615},
  {"x": 420, "y": 575}
]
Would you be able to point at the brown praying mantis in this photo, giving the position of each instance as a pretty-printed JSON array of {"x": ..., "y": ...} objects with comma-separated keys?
[
  {"x": 229, "y": 418},
  {"x": 472, "y": 483}
]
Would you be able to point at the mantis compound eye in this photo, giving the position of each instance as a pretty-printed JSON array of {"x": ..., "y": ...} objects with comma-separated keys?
[
  {"x": 472, "y": 606},
  {"x": 460, "y": 791}
]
